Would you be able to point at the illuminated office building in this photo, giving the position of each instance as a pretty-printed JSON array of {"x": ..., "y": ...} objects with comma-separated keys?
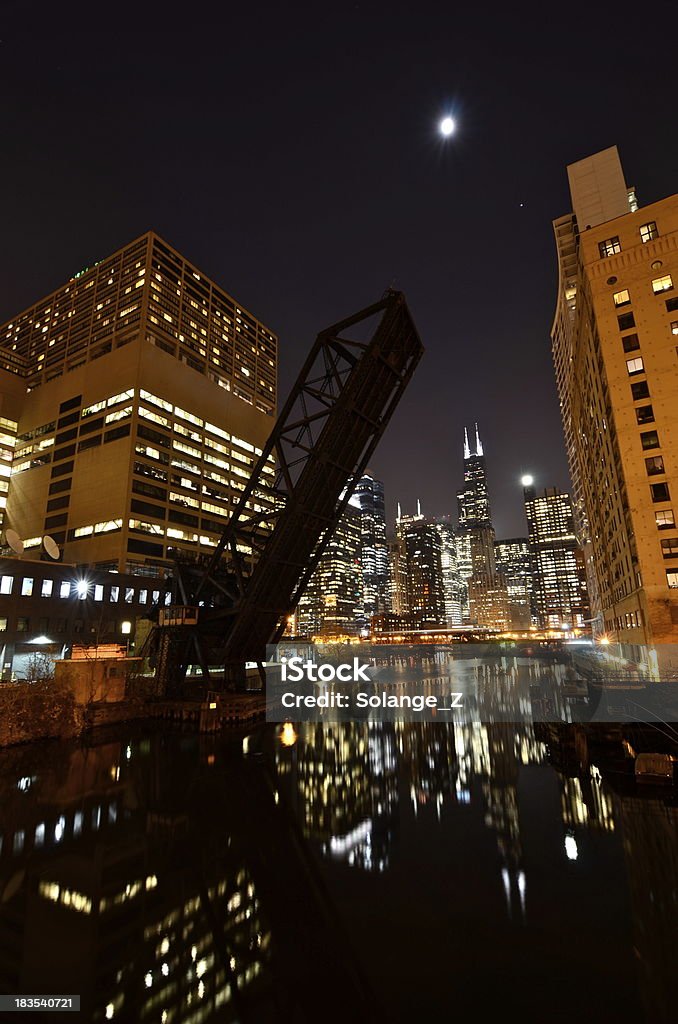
[
  {"x": 369, "y": 496},
  {"x": 149, "y": 394},
  {"x": 453, "y": 585},
  {"x": 422, "y": 545},
  {"x": 512, "y": 558},
  {"x": 559, "y": 585},
  {"x": 473, "y": 500},
  {"x": 464, "y": 569},
  {"x": 332, "y": 603},
  {"x": 486, "y": 598},
  {"x": 12, "y": 391},
  {"x": 614, "y": 339},
  {"x": 397, "y": 568}
]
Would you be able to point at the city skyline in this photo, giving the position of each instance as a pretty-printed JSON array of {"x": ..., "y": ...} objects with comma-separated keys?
[
  {"x": 338, "y": 513},
  {"x": 352, "y": 168}
]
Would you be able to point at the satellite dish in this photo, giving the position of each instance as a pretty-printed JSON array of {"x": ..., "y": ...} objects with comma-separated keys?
[
  {"x": 14, "y": 541},
  {"x": 51, "y": 547}
]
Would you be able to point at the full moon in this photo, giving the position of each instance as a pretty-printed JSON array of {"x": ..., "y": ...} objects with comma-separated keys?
[
  {"x": 527, "y": 480},
  {"x": 447, "y": 126}
]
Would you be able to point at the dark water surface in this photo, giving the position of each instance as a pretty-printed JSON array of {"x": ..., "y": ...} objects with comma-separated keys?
[{"x": 381, "y": 872}]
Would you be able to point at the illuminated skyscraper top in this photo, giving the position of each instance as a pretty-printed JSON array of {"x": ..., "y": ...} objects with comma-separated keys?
[{"x": 473, "y": 501}]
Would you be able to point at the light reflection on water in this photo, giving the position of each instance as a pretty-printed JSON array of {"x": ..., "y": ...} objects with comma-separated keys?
[{"x": 361, "y": 871}]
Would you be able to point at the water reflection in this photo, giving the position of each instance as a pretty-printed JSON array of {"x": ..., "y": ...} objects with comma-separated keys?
[
  {"x": 174, "y": 878},
  {"x": 106, "y": 885}
]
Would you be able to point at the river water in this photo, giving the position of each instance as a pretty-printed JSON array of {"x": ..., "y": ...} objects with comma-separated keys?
[{"x": 357, "y": 871}]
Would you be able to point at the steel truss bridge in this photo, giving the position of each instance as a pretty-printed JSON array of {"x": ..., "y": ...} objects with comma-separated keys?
[{"x": 226, "y": 608}]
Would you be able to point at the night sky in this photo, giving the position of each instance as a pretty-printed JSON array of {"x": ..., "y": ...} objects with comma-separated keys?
[{"x": 291, "y": 151}]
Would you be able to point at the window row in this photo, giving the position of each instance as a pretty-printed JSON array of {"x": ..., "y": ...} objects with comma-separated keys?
[
  {"x": 44, "y": 626},
  {"x": 659, "y": 285},
  {"x": 612, "y": 246},
  {"x": 81, "y": 589}
]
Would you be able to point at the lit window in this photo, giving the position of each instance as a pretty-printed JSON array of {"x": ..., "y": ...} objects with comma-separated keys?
[
  {"x": 26, "y": 586},
  {"x": 115, "y": 593},
  {"x": 47, "y": 587},
  {"x": 622, "y": 298},
  {"x": 108, "y": 526},
  {"x": 64, "y": 589},
  {"x": 119, "y": 414},
  {"x": 6, "y": 583},
  {"x": 674, "y": 326},
  {"x": 155, "y": 400},
  {"x": 670, "y": 547},
  {"x": 672, "y": 578},
  {"x": 91, "y": 409},
  {"x": 98, "y": 592},
  {"x": 664, "y": 519},
  {"x": 648, "y": 232},
  {"x": 115, "y": 399},
  {"x": 662, "y": 284},
  {"x": 609, "y": 247},
  {"x": 654, "y": 465},
  {"x": 634, "y": 366},
  {"x": 649, "y": 439}
]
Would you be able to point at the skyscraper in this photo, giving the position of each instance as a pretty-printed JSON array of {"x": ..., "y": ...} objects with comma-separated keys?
[
  {"x": 473, "y": 501},
  {"x": 487, "y": 598},
  {"x": 422, "y": 546},
  {"x": 558, "y": 578},
  {"x": 369, "y": 494},
  {"x": 148, "y": 393},
  {"x": 397, "y": 570},
  {"x": 332, "y": 602},
  {"x": 453, "y": 584},
  {"x": 614, "y": 346},
  {"x": 512, "y": 558}
]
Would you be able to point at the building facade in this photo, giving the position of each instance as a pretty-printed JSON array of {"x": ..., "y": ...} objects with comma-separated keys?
[
  {"x": 332, "y": 604},
  {"x": 512, "y": 558},
  {"x": 397, "y": 568},
  {"x": 559, "y": 580},
  {"x": 148, "y": 394},
  {"x": 47, "y": 607},
  {"x": 486, "y": 596},
  {"x": 369, "y": 495},
  {"x": 453, "y": 585},
  {"x": 425, "y": 594},
  {"x": 614, "y": 346}
]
